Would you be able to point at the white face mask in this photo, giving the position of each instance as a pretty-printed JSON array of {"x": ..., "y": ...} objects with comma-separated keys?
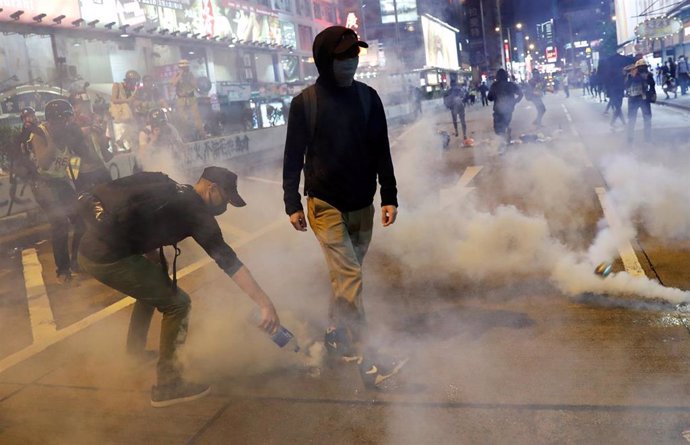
[{"x": 344, "y": 71}]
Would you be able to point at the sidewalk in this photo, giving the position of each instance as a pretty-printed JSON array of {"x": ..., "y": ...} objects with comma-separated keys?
[{"x": 681, "y": 102}]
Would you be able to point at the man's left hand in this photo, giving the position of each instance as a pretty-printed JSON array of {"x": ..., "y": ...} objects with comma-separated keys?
[{"x": 388, "y": 215}]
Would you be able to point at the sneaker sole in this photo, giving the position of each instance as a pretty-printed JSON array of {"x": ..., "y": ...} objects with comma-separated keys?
[
  {"x": 169, "y": 402},
  {"x": 380, "y": 378}
]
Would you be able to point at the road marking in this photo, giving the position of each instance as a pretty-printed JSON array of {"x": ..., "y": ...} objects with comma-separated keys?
[
  {"x": 267, "y": 181},
  {"x": 40, "y": 313},
  {"x": 626, "y": 251},
  {"x": 579, "y": 145},
  {"x": 46, "y": 341},
  {"x": 452, "y": 194}
]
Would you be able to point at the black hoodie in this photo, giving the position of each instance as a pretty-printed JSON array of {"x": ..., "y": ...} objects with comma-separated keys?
[{"x": 347, "y": 154}]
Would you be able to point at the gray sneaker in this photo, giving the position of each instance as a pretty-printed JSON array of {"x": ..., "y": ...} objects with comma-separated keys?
[{"x": 162, "y": 396}]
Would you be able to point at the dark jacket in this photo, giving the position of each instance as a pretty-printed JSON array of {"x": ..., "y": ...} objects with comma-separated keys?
[
  {"x": 505, "y": 95},
  {"x": 346, "y": 154}
]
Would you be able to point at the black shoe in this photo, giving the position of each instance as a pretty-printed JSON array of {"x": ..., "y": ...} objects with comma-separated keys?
[
  {"x": 64, "y": 278},
  {"x": 339, "y": 346},
  {"x": 162, "y": 396},
  {"x": 377, "y": 369}
]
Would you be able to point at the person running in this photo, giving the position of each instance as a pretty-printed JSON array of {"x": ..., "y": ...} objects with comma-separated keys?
[
  {"x": 505, "y": 95},
  {"x": 337, "y": 134},
  {"x": 535, "y": 91},
  {"x": 640, "y": 87},
  {"x": 132, "y": 216},
  {"x": 483, "y": 91},
  {"x": 454, "y": 101}
]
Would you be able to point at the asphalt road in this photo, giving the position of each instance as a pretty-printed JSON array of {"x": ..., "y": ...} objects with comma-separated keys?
[{"x": 485, "y": 282}]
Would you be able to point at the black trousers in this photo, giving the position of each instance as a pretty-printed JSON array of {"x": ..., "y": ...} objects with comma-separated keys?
[{"x": 639, "y": 103}]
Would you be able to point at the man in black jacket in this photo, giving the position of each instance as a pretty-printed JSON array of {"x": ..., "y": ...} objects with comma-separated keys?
[
  {"x": 343, "y": 148},
  {"x": 505, "y": 95},
  {"x": 134, "y": 215}
]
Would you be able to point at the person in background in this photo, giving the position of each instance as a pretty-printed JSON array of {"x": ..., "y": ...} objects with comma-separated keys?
[
  {"x": 187, "y": 108},
  {"x": 146, "y": 99},
  {"x": 124, "y": 123},
  {"x": 683, "y": 69},
  {"x": 159, "y": 143},
  {"x": 505, "y": 95},
  {"x": 51, "y": 146},
  {"x": 640, "y": 87},
  {"x": 566, "y": 85},
  {"x": 536, "y": 87},
  {"x": 483, "y": 91},
  {"x": 454, "y": 101}
]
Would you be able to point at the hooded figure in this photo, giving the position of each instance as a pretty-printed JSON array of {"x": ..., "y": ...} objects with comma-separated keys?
[
  {"x": 505, "y": 95},
  {"x": 337, "y": 133}
]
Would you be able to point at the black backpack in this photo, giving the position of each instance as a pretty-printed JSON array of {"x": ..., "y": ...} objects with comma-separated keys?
[{"x": 116, "y": 208}]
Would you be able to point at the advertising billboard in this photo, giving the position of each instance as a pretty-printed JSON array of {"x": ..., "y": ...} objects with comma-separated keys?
[
  {"x": 440, "y": 44},
  {"x": 406, "y": 9}
]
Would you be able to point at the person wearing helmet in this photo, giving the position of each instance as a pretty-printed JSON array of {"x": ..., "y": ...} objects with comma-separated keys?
[
  {"x": 641, "y": 90},
  {"x": 159, "y": 142},
  {"x": 51, "y": 145},
  {"x": 146, "y": 99},
  {"x": 186, "y": 105},
  {"x": 123, "y": 96}
]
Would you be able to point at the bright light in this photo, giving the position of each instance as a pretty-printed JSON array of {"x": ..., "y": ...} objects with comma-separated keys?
[
  {"x": 497, "y": 29},
  {"x": 526, "y": 37},
  {"x": 531, "y": 46},
  {"x": 518, "y": 26},
  {"x": 505, "y": 41}
]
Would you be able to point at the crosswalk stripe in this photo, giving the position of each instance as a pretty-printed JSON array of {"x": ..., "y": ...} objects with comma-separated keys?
[
  {"x": 46, "y": 341},
  {"x": 450, "y": 195},
  {"x": 626, "y": 251},
  {"x": 40, "y": 313}
]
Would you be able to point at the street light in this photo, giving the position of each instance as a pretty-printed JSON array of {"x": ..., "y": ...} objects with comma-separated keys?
[{"x": 518, "y": 26}]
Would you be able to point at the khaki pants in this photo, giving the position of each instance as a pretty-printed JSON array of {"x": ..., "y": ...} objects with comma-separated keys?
[
  {"x": 344, "y": 238},
  {"x": 187, "y": 109}
]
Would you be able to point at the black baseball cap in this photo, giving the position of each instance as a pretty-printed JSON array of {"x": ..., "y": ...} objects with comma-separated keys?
[
  {"x": 347, "y": 41},
  {"x": 227, "y": 181}
]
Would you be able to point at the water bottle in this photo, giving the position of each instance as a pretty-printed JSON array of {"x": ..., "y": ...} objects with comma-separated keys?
[{"x": 283, "y": 337}]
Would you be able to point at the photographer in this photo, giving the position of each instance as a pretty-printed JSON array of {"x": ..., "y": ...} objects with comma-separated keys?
[
  {"x": 641, "y": 90},
  {"x": 158, "y": 142}
]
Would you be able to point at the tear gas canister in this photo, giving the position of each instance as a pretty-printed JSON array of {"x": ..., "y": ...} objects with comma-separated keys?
[{"x": 603, "y": 269}]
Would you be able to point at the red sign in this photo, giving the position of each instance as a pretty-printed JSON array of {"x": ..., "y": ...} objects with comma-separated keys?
[{"x": 551, "y": 54}]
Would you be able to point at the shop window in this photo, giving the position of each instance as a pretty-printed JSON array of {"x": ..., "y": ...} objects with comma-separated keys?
[
  {"x": 265, "y": 71},
  {"x": 306, "y": 38},
  {"x": 290, "y": 68},
  {"x": 283, "y": 5},
  {"x": 317, "y": 10},
  {"x": 303, "y": 8}
]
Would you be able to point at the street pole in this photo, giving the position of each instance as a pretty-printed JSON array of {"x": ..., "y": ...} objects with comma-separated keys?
[
  {"x": 510, "y": 52},
  {"x": 572, "y": 42},
  {"x": 481, "y": 12},
  {"x": 397, "y": 32},
  {"x": 500, "y": 30}
]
